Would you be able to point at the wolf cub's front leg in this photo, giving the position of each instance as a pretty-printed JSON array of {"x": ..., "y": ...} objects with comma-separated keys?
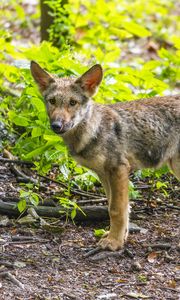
[{"x": 117, "y": 183}]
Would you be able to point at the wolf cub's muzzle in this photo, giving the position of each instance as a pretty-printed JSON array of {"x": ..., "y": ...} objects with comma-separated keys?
[
  {"x": 57, "y": 127},
  {"x": 60, "y": 127}
]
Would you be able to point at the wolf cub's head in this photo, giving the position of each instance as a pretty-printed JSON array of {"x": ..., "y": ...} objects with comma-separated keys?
[{"x": 67, "y": 99}]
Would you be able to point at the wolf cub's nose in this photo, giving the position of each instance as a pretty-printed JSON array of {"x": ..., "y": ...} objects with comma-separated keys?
[{"x": 57, "y": 126}]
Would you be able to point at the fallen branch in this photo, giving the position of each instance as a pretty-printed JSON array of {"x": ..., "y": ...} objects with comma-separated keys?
[
  {"x": 6, "y": 264},
  {"x": 170, "y": 289},
  {"x": 45, "y": 202},
  {"x": 92, "y": 252},
  {"x": 90, "y": 201},
  {"x": 91, "y": 212},
  {"x": 25, "y": 242},
  {"x": 171, "y": 206},
  {"x": 12, "y": 278},
  {"x": 107, "y": 254},
  {"x": 161, "y": 246},
  {"x": 17, "y": 171},
  {"x": 16, "y": 238},
  {"x": 16, "y": 161}
]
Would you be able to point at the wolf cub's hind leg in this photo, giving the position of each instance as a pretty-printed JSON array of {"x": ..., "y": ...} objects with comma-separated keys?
[
  {"x": 174, "y": 164},
  {"x": 118, "y": 209}
]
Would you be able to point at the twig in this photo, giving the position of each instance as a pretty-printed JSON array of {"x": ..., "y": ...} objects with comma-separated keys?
[
  {"x": 23, "y": 238},
  {"x": 73, "y": 190},
  {"x": 171, "y": 206},
  {"x": 25, "y": 242},
  {"x": 12, "y": 278},
  {"x": 93, "y": 251},
  {"x": 24, "y": 176},
  {"x": 162, "y": 246},
  {"x": 16, "y": 170},
  {"x": 28, "y": 242},
  {"x": 70, "y": 295},
  {"x": 16, "y": 161},
  {"x": 61, "y": 252},
  {"x": 107, "y": 254},
  {"x": 170, "y": 289},
  {"x": 44, "y": 202},
  {"x": 6, "y": 263},
  {"x": 89, "y": 201}
]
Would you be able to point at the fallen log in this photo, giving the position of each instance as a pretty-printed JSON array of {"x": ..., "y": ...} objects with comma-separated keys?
[
  {"x": 95, "y": 213},
  {"x": 13, "y": 199}
]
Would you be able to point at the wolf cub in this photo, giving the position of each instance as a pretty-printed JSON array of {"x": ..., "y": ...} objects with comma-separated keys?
[{"x": 112, "y": 140}]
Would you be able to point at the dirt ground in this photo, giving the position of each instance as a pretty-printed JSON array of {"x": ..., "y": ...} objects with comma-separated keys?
[{"x": 48, "y": 265}]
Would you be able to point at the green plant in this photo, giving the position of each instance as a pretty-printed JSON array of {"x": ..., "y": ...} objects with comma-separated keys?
[
  {"x": 154, "y": 178},
  {"x": 99, "y": 232},
  {"x": 27, "y": 197},
  {"x": 62, "y": 30},
  {"x": 70, "y": 208},
  {"x": 133, "y": 193}
]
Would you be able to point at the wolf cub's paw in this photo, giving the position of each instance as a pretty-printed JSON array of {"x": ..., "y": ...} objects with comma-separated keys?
[
  {"x": 105, "y": 234},
  {"x": 110, "y": 244}
]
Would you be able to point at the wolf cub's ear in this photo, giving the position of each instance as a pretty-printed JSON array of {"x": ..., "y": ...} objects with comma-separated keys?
[
  {"x": 41, "y": 77},
  {"x": 91, "y": 79}
]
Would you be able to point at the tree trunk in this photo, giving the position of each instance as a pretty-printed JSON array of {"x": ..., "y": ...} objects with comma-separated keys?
[{"x": 47, "y": 20}]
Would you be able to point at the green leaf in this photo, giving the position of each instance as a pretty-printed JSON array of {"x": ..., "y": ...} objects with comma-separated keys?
[
  {"x": 52, "y": 138},
  {"x": 36, "y": 131},
  {"x": 18, "y": 119},
  {"x": 34, "y": 199},
  {"x": 38, "y": 103},
  {"x": 21, "y": 205},
  {"x": 136, "y": 29},
  {"x": 73, "y": 214},
  {"x": 38, "y": 151},
  {"x": 160, "y": 185},
  {"x": 99, "y": 232}
]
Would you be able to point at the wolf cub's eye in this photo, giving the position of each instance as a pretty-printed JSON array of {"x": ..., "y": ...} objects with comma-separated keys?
[
  {"x": 73, "y": 102},
  {"x": 52, "y": 101}
]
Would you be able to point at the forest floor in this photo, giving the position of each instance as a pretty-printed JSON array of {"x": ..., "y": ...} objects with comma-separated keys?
[{"x": 38, "y": 264}]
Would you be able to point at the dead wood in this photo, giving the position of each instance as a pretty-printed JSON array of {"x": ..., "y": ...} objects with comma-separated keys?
[
  {"x": 91, "y": 212},
  {"x": 25, "y": 242},
  {"x": 16, "y": 170},
  {"x": 16, "y": 238},
  {"x": 172, "y": 206},
  {"x": 91, "y": 201},
  {"x": 44, "y": 202},
  {"x": 106, "y": 254},
  {"x": 6, "y": 264},
  {"x": 16, "y": 161},
  {"x": 12, "y": 278},
  {"x": 92, "y": 252},
  {"x": 161, "y": 246}
]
